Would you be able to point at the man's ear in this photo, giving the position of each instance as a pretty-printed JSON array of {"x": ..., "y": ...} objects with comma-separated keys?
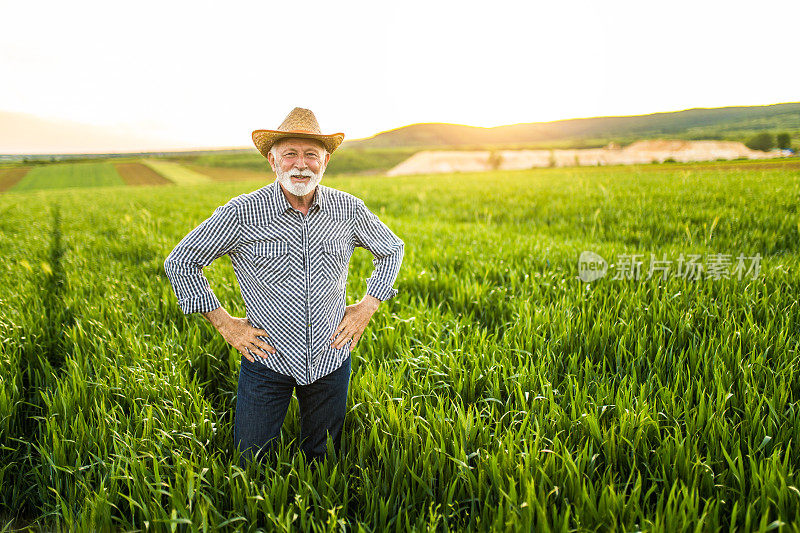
[
  {"x": 327, "y": 158},
  {"x": 271, "y": 160}
]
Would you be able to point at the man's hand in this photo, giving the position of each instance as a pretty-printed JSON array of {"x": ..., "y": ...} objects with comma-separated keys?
[
  {"x": 239, "y": 333},
  {"x": 355, "y": 319}
]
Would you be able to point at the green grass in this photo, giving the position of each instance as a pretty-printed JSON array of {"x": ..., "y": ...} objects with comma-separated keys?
[
  {"x": 69, "y": 175},
  {"x": 495, "y": 392}
]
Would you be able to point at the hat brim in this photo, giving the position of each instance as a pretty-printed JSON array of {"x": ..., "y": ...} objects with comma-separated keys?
[{"x": 264, "y": 139}]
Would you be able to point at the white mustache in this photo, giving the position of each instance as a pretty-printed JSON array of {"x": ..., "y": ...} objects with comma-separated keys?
[{"x": 301, "y": 173}]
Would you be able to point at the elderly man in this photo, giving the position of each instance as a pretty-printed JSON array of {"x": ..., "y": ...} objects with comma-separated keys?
[{"x": 290, "y": 243}]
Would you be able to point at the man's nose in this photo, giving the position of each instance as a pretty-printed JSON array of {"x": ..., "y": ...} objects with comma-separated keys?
[{"x": 301, "y": 162}]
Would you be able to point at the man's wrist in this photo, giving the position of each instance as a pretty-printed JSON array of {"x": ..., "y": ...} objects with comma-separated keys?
[
  {"x": 219, "y": 318},
  {"x": 371, "y": 302}
]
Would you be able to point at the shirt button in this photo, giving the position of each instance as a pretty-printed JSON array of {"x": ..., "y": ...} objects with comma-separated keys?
[{"x": 308, "y": 325}]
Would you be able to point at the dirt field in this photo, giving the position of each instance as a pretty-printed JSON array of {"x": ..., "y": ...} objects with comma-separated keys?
[
  {"x": 139, "y": 174},
  {"x": 638, "y": 153},
  {"x": 10, "y": 177},
  {"x": 230, "y": 174}
]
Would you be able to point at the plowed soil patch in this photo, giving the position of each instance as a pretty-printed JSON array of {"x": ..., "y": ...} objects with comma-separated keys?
[
  {"x": 139, "y": 174},
  {"x": 11, "y": 176}
]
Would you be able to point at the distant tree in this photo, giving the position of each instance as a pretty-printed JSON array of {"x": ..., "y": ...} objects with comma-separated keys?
[
  {"x": 784, "y": 141},
  {"x": 495, "y": 160},
  {"x": 763, "y": 141}
]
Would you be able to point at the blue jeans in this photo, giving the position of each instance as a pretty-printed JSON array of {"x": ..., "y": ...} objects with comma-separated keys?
[{"x": 262, "y": 401}]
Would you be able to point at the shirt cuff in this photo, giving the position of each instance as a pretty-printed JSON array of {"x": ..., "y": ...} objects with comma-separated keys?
[
  {"x": 379, "y": 290},
  {"x": 199, "y": 304}
]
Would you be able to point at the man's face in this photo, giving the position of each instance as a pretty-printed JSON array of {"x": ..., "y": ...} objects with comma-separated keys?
[{"x": 299, "y": 164}]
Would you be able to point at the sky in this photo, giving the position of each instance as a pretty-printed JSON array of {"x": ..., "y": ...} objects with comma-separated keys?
[{"x": 175, "y": 74}]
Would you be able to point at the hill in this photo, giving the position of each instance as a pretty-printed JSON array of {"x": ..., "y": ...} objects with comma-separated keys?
[{"x": 724, "y": 123}]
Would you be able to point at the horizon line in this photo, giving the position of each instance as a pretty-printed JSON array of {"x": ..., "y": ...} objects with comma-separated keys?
[{"x": 242, "y": 148}]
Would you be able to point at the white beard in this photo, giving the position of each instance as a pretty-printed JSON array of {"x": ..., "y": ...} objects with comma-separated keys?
[{"x": 299, "y": 189}]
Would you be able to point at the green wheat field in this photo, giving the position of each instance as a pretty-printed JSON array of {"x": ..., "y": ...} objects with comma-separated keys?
[{"x": 496, "y": 392}]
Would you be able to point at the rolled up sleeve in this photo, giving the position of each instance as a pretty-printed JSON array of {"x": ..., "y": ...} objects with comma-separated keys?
[
  {"x": 385, "y": 246},
  {"x": 213, "y": 238}
]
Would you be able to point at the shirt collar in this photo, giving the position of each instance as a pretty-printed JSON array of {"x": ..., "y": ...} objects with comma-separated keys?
[{"x": 280, "y": 204}]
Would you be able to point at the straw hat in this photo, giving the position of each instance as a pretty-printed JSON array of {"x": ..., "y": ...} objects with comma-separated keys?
[{"x": 299, "y": 123}]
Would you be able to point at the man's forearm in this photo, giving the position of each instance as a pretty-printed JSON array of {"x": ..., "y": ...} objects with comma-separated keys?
[
  {"x": 379, "y": 284},
  {"x": 219, "y": 318},
  {"x": 216, "y": 236},
  {"x": 370, "y": 301}
]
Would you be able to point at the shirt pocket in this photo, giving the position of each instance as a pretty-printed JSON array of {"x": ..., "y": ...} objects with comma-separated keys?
[
  {"x": 335, "y": 255},
  {"x": 271, "y": 260}
]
